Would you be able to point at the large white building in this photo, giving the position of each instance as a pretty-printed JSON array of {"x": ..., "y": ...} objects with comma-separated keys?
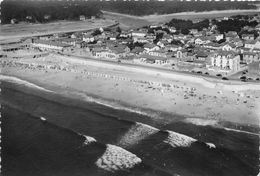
[{"x": 225, "y": 61}]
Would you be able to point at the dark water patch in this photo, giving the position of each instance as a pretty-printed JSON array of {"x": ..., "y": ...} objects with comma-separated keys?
[
  {"x": 197, "y": 160},
  {"x": 241, "y": 146},
  {"x": 34, "y": 147}
]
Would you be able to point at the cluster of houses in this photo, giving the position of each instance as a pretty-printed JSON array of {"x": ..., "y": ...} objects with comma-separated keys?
[{"x": 160, "y": 45}]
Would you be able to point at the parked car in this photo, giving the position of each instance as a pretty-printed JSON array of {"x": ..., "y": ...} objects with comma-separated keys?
[
  {"x": 243, "y": 77},
  {"x": 224, "y": 78}
]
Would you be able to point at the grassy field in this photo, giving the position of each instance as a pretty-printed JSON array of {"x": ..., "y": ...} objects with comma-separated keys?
[
  {"x": 126, "y": 21},
  {"x": 138, "y": 21},
  {"x": 15, "y": 31}
]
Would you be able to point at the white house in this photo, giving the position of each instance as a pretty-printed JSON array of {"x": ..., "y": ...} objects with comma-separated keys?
[
  {"x": 229, "y": 47},
  {"x": 138, "y": 34},
  {"x": 151, "y": 47},
  {"x": 88, "y": 38}
]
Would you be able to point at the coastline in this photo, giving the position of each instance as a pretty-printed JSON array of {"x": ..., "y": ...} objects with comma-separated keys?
[
  {"x": 140, "y": 139},
  {"x": 159, "y": 92},
  {"x": 159, "y": 118}
]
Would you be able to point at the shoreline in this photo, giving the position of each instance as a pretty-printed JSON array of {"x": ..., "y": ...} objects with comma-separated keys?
[
  {"x": 145, "y": 89},
  {"x": 159, "y": 118},
  {"x": 135, "y": 136}
]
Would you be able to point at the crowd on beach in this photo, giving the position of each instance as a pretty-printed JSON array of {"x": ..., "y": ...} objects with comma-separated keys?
[{"x": 164, "y": 88}]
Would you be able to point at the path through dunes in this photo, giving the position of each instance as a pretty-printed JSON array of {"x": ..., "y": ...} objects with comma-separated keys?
[{"x": 164, "y": 150}]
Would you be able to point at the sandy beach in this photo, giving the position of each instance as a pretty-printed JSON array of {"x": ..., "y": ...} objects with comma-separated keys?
[{"x": 151, "y": 91}]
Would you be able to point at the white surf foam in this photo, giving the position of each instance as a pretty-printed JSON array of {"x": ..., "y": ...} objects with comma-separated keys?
[
  {"x": 178, "y": 140},
  {"x": 16, "y": 80},
  {"x": 43, "y": 119},
  {"x": 116, "y": 105},
  {"x": 89, "y": 139},
  {"x": 241, "y": 131},
  {"x": 211, "y": 145},
  {"x": 116, "y": 158},
  {"x": 136, "y": 133},
  {"x": 201, "y": 122}
]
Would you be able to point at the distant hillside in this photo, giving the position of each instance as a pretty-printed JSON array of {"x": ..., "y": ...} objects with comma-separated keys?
[
  {"x": 42, "y": 11},
  {"x": 141, "y": 8}
]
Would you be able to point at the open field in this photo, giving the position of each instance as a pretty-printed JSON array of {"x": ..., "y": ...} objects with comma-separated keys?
[
  {"x": 14, "y": 31},
  {"x": 126, "y": 21},
  {"x": 154, "y": 19}
]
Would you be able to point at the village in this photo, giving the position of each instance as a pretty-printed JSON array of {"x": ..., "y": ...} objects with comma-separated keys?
[{"x": 204, "y": 52}]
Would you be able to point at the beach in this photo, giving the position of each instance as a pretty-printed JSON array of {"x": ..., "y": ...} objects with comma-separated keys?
[{"x": 151, "y": 91}]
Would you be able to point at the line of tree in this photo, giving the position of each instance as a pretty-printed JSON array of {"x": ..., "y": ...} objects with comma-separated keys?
[{"x": 41, "y": 11}]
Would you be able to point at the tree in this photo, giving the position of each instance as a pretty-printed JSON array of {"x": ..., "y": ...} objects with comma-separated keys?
[
  {"x": 96, "y": 32},
  {"x": 118, "y": 29}
]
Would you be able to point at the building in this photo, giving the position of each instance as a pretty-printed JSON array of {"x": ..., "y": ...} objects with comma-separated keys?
[
  {"x": 250, "y": 44},
  {"x": 82, "y": 18},
  {"x": 50, "y": 45},
  {"x": 99, "y": 52},
  {"x": 224, "y": 61},
  {"x": 248, "y": 37},
  {"x": 150, "y": 47},
  {"x": 231, "y": 35},
  {"x": 14, "y": 21},
  {"x": 229, "y": 47},
  {"x": 88, "y": 38},
  {"x": 138, "y": 34},
  {"x": 149, "y": 59},
  {"x": 249, "y": 57},
  {"x": 202, "y": 41}
]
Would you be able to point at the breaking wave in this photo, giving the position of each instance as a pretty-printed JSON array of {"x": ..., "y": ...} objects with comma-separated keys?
[
  {"x": 136, "y": 133},
  {"x": 89, "y": 140},
  {"x": 178, "y": 140},
  {"x": 117, "y": 106},
  {"x": 201, "y": 122},
  {"x": 116, "y": 158},
  {"x": 241, "y": 131}
]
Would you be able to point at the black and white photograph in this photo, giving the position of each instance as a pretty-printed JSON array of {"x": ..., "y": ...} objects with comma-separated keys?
[{"x": 130, "y": 87}]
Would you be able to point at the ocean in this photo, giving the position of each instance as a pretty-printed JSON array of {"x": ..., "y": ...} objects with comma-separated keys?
[{"x": 44, "y": 133}]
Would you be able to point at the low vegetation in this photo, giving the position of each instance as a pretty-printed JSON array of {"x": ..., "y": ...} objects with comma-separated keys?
[{"x": 40, "y": 11}]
